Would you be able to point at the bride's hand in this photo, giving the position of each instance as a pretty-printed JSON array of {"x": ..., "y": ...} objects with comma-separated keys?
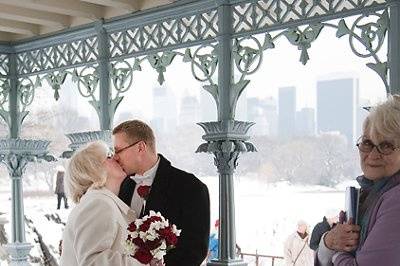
[{"x": 155, "y": 262}]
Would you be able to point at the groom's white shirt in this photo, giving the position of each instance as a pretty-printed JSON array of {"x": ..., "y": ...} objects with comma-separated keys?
[
  {"x": 96, "y": 230},
  {"x": 146, "y": 179}
]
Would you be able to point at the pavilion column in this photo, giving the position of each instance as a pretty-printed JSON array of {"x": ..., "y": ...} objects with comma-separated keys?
[
  {"x": 225, "y": 139},
  {"x": 105, "y": 115},
  {"x": 18, "y": 248},
  {"x": 15, "y": 125},
  {"x": 394, "y": 47}
]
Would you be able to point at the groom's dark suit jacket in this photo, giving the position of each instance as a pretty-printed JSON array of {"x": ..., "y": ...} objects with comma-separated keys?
[{"x": 183, "y": 200}]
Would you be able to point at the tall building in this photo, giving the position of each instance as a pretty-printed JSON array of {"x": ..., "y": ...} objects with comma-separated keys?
[
  {"x": 287, "y": 111},
  {"x": 164, "y": 110},
  {"x": 264, "y": 113},
  {"x": 305, "y": 122},
  {"x": 189, "y": 111},
  {"x": 337, "y": 103},
  {"x": 208, "y": 107}
]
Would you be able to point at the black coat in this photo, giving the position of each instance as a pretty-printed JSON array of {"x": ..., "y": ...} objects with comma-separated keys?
[
  {"x": 183, "y": 200},
  {"x": 318, "y": 231}
]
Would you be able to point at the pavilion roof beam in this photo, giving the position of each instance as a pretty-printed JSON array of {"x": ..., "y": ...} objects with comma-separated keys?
[
  {"x": 74, "y": 8},
  {"x": 33, "y": 16},
  {"x": 132, "y": 5},
  {"x": 18, "y": 27}
]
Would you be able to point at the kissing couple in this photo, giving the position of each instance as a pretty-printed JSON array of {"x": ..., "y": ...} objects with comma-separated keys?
[{"x": 113, "y": 188}]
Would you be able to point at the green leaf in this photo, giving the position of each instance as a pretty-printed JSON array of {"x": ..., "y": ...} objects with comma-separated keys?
[
  {"x": 268, "y": 43},
  {"x": 136, "y": 65},
  {"x": 342, "y": 29},
  {"x": 188, "y": 56}
]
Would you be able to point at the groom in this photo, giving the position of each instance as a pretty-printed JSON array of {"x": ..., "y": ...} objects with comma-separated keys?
[{"x": 179, "y": 196}]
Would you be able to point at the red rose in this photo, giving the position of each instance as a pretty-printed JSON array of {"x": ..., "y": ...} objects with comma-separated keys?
[
  {"x": 143, "y": 255},
  {"x": 143, "y": 191},
  {"x": 145, "y": 226},
  {"x": 132, "y": 227},
  {"x": 151, "y": 245},
  {"x": 171, "y": 239},
  {"x": 138, "y": 242}
]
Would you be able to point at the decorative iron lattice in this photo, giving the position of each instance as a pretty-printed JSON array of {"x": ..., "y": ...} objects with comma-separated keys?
[
  {"x": 58, "y": 56},
  {"x": 366, "y": 38},
  {"x": 168, "y": 33},
  {"x": 3, "y": 65},
  {"x": 266, "y": 13}
]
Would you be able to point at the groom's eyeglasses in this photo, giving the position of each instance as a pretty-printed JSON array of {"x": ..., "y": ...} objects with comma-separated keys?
[{"x": 127, "y": 147}]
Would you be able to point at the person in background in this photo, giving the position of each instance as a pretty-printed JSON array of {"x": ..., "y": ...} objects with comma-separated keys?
[
  {"x": 376, "y": 238},
  {"x": 60, "y": 191},
  {"x": 3, "y": 238},
  {"x": 213, "y": 242},
  {"x": 330, "y": 219},
  {"x": 296, "y": 250}
]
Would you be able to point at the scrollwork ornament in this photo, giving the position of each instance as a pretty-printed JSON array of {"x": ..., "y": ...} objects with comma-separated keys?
[
  {"x": 247, "y": 59},
  {"x": 26, "y": 89},
  {"x": 121, "y": 76},
  {"x": 87, "y": 79},
  {"x": 160, "y": 63},
  {"x": 303, "y": 39},
  {"x": 4, "y": 91},
  {"x": 226, "y": 162},
  {"x": 55, "y": 80},
  {"x": 371, "y": 34},
  {"x": 16, "y": 164},
  {"x": 203, "y": 62}
]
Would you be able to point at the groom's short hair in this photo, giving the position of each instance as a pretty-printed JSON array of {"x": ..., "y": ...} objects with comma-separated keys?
[{"x": 136, "y": 130}]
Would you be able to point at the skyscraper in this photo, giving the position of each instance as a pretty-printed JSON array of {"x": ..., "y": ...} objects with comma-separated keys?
[
  {"x": 264, "y": 113},
  {"x": 189, "y": 111},
  {"x": 337, "y": 103},
  {"x": 164, "y": 110},
  {"x": 287, "y": 111},
  {"x": 305, "y": 122}
]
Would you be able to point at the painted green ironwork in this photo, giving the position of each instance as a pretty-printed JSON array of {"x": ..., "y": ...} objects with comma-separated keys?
[
  {"x": 65, "y": 55},
  {"x": 16, "y": 153},
  {"x": 370, "y": 35},
  {"x": 103, "y": 57},
  {"x": 262, "y": 15},
  {"x": 167, "y": 32}
]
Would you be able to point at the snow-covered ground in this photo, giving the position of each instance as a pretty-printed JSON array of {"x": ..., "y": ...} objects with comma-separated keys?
[{"x": 265, "y": 213}]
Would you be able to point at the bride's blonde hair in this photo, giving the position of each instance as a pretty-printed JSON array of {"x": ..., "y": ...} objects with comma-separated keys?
[{"x": 85, "y": 169}]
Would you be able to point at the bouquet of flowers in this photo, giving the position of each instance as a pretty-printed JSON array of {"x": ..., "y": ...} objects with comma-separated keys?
[{"x": 151, "y": 237}]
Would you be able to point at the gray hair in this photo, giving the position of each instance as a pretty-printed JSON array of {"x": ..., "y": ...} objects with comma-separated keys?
[
  {"x": 85, "y": 169},
  {"x": 383, "y": 121}
]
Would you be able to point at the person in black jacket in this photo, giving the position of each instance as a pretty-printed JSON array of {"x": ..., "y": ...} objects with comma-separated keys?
[
  {"x": 154, "y": 184},
  {"x": 330, "y": 219}
]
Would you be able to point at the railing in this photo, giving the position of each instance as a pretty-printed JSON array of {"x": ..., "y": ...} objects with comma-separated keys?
[{"x": 258, "y": 256}]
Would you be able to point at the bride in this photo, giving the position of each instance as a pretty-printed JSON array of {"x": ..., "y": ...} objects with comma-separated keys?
[{"x": 95, "y": 231}]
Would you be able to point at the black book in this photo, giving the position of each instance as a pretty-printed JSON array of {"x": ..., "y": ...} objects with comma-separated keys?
[{"x": 351, "y": 203}]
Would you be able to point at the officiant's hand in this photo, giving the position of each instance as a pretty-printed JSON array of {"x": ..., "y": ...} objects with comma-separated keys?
[{"x": 343, "y": 237}]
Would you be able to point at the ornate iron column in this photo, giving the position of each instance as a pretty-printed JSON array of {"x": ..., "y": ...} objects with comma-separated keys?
[
  {"x": 15, "y": 154},
  {"x": 14, "y": 115},
  {"x": 105, "y": 116},
  {"x": 81, "y": 138},
  {"x": 394, "y": 47},
  {"x": 226, "y": 139}
]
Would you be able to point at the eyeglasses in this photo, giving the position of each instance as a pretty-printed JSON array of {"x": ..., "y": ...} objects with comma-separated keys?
[
  {"x": 127, "y": 147},
  {"x": 384, "y": 148}
]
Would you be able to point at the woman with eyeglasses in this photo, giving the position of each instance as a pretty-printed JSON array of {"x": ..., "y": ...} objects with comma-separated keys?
[
  {"x": 376, "y": 238},
  {"x": 95, "y": 230}
]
